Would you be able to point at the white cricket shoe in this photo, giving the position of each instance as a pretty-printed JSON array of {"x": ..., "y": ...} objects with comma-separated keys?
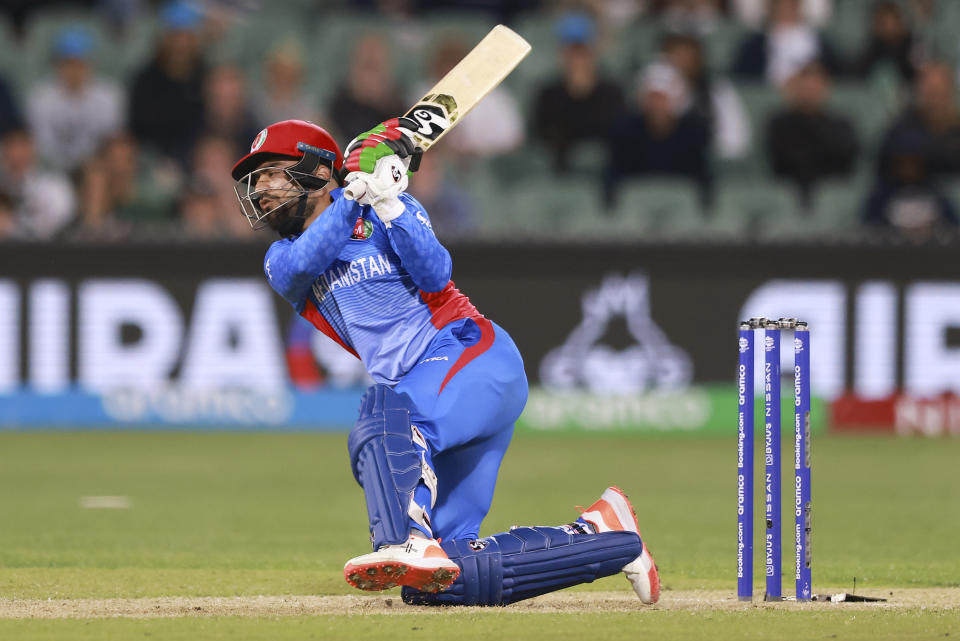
[
  {"x": 420, "y": 563},
  {"x": 613, "y": 512}
]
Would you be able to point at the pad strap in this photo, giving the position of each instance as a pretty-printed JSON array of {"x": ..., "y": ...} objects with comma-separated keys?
[
  {"x": 527, "y": 562},
  {"x": 390, "y": 459}
]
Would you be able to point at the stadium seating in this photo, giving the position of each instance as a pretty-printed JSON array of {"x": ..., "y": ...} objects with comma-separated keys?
[
  {"x": 542, "y": 208},
  {"x": 9, "y": 55},
  {"x": 846, "y": 28},
  {"x": 117, "y": 53},
  {"x": 837, "y": 206},
  {"x": 765, "y": 210},
  {"x": 659, "y": 207},
  {"x": 868, "y": 107},
  {"x": 720, "y": 45}
]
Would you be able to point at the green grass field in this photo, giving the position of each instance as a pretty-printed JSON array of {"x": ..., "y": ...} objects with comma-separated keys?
[{"x": 244, "y": 515}]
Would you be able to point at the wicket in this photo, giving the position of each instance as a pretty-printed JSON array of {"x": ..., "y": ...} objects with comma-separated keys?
[{"x": 772, "y": 457}]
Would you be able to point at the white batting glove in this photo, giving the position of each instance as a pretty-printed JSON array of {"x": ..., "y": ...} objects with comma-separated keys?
[{"x": 380, "y": 188}]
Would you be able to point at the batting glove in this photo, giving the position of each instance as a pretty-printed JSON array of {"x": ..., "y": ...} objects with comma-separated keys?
[
  {"x": 381, "y": 188},
  {"x": 393, "y": 137},
  {"x": 378, "y": 162}
]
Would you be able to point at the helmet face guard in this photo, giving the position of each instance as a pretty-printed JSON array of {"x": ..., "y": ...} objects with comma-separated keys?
[{"x": 301, "y": 181}]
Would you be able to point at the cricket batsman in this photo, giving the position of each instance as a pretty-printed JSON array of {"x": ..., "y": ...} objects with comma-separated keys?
[{"x": 357, "y": 258}]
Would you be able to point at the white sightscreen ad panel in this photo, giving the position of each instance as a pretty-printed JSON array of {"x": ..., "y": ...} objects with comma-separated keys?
[
  {"x": 9, "y": 335},
  {"x": 49, "y": 344}
]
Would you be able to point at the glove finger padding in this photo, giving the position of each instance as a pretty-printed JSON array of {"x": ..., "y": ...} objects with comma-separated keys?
[
  {"x": 390, "y": 137},
  {"x": 407, "y": 126}
]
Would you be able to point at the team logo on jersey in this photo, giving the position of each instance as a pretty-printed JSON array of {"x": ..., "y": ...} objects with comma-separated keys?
[
  {"x": 362, "y": 229},
  {"x": 258, "y": 141}
]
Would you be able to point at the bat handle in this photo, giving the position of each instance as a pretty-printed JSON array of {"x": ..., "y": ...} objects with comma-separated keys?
[{"x": 355, "y": 190}]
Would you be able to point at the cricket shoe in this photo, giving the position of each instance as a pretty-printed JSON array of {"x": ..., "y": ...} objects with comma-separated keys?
[
  {"x": 420, "y": 563},
  {"x": 613, "y": 512}
]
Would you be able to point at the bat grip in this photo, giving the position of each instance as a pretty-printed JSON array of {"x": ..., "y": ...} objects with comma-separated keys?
[{"x": 355, "y": 190}]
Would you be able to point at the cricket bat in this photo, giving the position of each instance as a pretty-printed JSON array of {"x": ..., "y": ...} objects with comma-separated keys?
[{"x": 466, "y": 84}]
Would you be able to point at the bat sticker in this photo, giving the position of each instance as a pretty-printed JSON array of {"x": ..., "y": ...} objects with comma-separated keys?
[
  {"x": 434, "y": 115},
  {"x": 432, "y": 120}
]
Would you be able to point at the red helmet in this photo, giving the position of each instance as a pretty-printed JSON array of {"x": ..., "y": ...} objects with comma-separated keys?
[{"x": 289, "y": 139}]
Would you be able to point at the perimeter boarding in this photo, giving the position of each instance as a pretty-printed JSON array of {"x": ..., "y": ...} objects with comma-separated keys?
[{"x": 773, "y": 330}]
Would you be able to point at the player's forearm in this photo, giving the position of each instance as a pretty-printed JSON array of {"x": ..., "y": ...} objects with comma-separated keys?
[
  {"x": 294, "y": 266},
  {"x": 318, "y": 246},
  {"x": 425, "y": 259}
]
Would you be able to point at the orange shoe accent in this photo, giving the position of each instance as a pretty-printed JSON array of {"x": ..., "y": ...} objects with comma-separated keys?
[
  {"x": 434, "y": 551},
  {"x": 385, "y": 575},
  {"x": 654, "y": 577},
  {"x": 609, "y": 515}
]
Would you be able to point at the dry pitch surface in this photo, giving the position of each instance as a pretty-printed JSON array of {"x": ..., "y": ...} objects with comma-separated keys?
[{"x": 935, "y": 599}]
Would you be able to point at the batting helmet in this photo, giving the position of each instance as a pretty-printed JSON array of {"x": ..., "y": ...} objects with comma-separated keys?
[
  {"x": 297, "y": 140},
  {"x": 287, "y": 139}
]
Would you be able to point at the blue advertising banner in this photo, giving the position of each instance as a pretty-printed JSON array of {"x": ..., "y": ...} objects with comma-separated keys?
[
  {"x": 627, "y": 337},
  {"x": 173, "y": 407}
]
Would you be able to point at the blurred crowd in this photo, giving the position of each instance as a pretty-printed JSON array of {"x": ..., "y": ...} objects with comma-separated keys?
[{"x": 90, "y": 154}]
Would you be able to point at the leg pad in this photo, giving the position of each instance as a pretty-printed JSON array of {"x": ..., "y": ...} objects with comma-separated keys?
[
  {"x": 390, "y": 459},
  {"x": 527, "y": 562}
]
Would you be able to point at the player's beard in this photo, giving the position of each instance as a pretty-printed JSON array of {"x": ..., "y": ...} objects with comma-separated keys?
[{"x": 285, "y": 220}]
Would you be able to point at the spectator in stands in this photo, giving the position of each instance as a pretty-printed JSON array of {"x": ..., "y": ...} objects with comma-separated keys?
[
  {"x": 226, "y": 109},
  {"x": 166, "y": 102},
  {"x": 920, "y": 149},
  {"x": 713, "y": 100},
  {"x": 211, "y": 163},
  {"x": 690, "y": 16},
  {"x": 494, "y": 127},
  {"x": 451, "y": 210},
  {"x": 9, "y": 112},
  {"x": 805, "y": 142},
  {"x": 8, "y": 217},
  {"x": 119, "y": 15},
  {"x": 581, "y": 103},
  {"x": 121, "y": 189},
  {"x": 930, "y": 128},
  {"x": 369, "y": 93},
  {"x": 752, "y": 13},
  {"x": 890, "y": 43},
  {"x": 201, "y": 212},
  {"x": 787, "y": 43},
  {"x": 71, "y": 113},
  {"x": 662, "y": 138},
  {"x": 908, "y": 200},
  {"x": 283, "y": 95},
  {"x": 43, "y": 201}
]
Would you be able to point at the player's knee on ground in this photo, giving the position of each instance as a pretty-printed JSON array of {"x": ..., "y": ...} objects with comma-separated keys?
[
  {"x": 527, "y": 562},
  {"x": 391, "y": 461}
]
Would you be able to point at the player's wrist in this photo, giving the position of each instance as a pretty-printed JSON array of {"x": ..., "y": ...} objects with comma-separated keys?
[{"x": 389, "y": 209}]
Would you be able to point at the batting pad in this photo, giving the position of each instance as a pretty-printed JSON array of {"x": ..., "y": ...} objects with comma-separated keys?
[
  {"x": 389, "y": 459},
  {"x": 527, "y": 562}
]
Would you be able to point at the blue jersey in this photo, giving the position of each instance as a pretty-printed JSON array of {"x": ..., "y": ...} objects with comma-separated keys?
[{"x": 383, "y": 293}]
